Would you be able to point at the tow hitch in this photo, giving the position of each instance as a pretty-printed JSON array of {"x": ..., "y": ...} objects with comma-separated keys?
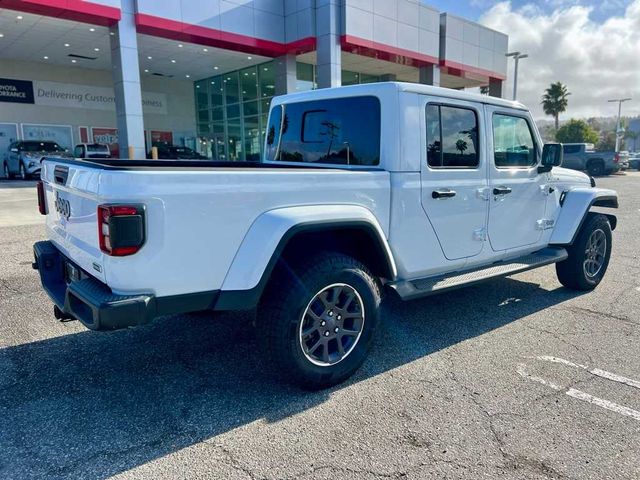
[{"x": 62, "y": 316}]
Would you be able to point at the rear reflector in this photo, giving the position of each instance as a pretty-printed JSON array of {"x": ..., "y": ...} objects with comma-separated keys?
[
  {"x": 42, "y": 201},
  {"x": 121, "y": 229}
]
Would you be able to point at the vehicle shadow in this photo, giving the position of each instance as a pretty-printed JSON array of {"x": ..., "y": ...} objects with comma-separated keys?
[{"x": 96, "y": 404}]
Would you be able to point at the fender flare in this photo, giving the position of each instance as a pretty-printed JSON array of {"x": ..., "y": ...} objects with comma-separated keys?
[
  {"x": 576, "y": 204},
  {"x": 269, "y": 235}
]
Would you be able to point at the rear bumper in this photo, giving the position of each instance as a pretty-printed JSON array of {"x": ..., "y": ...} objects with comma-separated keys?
[{"x": 96, "y": 306}]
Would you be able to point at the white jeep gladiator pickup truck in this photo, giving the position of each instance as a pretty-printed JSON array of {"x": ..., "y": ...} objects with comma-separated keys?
[{"x": 382, "y": 187}]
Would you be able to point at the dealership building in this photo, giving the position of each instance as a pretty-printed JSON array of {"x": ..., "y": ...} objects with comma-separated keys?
[{"x": 202, "y": 73}]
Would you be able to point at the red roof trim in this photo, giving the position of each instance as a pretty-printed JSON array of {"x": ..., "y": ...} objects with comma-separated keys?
[
  {"x": 459, "y": 69},
  {"x": 369, "y": 48},
  {"x": 76, "y": 10},
  {"x": 175, "y": 30}
]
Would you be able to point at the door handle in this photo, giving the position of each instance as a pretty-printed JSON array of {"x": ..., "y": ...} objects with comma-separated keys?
[
  {"x": 501, "y": 190},
  {"x": 443, "y": 193}
]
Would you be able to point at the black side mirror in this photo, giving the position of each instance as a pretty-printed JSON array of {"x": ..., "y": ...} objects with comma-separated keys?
[{"x": 551, "y": 157}]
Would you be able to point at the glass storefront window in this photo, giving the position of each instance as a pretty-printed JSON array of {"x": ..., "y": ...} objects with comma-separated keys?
[
  {"x": 252, "y": 139},
  {"x": 249, "y": 83},
  {"x": 305, "y": 76},
  {"x": 250, "y": 108},
  {"x": 266, "y": 80},
  {"x": 203, "y": 116},
  {"x": 231, "y": 88},
  {"x": 202, "y": 101},
  {"x": 232, "y": 112},
  {"x": 217, "y": 114},
  {"x": 366, "y": 78},
  {"x": 216, "y": 89},
  {"x": 350, "y": 78},
  {"x": 234, "y": 141}
]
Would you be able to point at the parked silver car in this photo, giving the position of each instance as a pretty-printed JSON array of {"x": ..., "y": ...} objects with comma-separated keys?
[{"x": 23, "y": 157}]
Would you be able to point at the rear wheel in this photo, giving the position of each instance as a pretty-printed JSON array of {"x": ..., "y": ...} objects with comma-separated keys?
[
  {"x": 596, "y": 168},
  {"x": 317, "y": 320},
  {"x": 7, "y": 174},
  {"x": 588, "y": 256}
]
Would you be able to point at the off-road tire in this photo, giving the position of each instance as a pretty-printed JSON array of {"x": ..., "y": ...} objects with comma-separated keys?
[
  {"x": 282, "y": 311},
  {"x": 572, "y": 271}
]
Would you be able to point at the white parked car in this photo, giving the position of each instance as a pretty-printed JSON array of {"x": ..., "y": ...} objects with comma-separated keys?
[{"x": 363, "y": 190}]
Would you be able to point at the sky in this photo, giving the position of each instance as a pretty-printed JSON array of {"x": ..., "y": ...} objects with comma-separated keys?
[{"x": 591, "y": 46}]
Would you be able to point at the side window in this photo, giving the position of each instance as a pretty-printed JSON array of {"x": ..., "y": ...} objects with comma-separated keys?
[
  {"x": 452, "y": 137},
  {"x": 343, "y": 131},
  {"x": 513, "y": 144},
  {"x": 273, "y": 132}
]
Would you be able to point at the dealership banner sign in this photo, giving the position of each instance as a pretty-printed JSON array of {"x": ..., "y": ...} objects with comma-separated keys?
[
  {"x": 16, "y": 91},
  {"x": 67, "y": 95}
]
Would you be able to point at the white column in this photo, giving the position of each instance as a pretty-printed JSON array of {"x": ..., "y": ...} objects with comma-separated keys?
[
  {"x": 126, "y": 83},
  {"x": 430, "y": 75},
  {"x": 328, "y": 49},
  {"x": 285, "y": 72}
]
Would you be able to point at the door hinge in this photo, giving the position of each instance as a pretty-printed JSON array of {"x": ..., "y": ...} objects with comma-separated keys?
[
  {"x": 480, "y": 234},
  {"x": 483, "y": 193},
  {"x": 545, "y": 224}
]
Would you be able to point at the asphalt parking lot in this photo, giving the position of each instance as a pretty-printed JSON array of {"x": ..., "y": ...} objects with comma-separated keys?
[{"x": 517, "y": 378}]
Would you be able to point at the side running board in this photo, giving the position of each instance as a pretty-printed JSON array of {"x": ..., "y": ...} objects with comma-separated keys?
[{"x": 410, "y": 289}]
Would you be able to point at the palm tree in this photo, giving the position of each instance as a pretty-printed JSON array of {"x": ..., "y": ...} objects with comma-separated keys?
[
  {"x": 461, "y": 145},
  {"x": 555, "y": 101}
]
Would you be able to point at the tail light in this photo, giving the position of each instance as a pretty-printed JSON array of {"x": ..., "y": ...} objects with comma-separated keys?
[
  {"x": 616, "y": 158},
  {"x": 121, "y": 229},
  {"x": 42, "y": 200}
]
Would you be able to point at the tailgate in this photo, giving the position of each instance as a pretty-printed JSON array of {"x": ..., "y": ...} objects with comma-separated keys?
[{"x": 72, "y": 199}]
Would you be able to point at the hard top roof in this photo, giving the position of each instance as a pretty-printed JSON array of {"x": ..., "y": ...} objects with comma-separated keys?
[{"x": 385, "y": 87}]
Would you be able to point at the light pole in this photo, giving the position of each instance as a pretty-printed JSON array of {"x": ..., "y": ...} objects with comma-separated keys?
[
  {"x": 618, "y": 127},
  {"x": 516, "y": 56}
]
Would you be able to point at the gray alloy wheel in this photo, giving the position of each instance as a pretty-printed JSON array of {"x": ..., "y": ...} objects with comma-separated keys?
[
  {"x": 331, "y": 324},
  {"x": 595, "y": 252},
  {"x": 589, "y": 255},
  {"x": 23, "y": 172}
]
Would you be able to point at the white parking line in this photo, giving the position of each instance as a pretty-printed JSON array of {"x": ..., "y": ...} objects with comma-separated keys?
[
  {"x": 579, "y": 394},
  {"x": 595, "y": 371},
  {"x": 614, "y": 407}
]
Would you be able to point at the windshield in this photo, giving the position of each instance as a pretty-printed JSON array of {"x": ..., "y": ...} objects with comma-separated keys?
[{"x": 41, "y": 147}]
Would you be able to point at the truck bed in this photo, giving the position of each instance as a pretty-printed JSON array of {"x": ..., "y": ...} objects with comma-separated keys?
[
  {"x": 124, "y": 164},
  {"x": 197, "y": 213}
]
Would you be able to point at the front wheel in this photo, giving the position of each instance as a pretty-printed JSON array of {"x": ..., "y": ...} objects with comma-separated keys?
[
  {"x": 588, "y": 256},
  {"x": 23, "y": 172},
  {"x": 317, "y": 321}
]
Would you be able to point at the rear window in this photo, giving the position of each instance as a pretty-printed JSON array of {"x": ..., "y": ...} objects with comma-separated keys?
[
  {"x": 97, "y": 148},
  {"x": 342, "y": 131}
]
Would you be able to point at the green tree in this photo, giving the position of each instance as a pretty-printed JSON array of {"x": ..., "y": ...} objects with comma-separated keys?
[
  {"x": 555, "y": 101},
  {"x": 576, "y": 131}
]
